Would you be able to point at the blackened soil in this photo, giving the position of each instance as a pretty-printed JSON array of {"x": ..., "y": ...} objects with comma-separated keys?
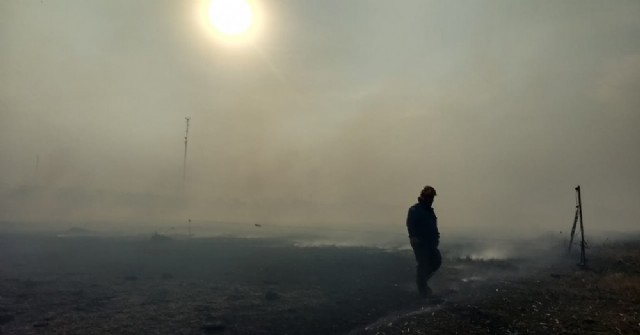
[
  {"x": 602, "y": 299},
  {"x": 93, "y": 285}
]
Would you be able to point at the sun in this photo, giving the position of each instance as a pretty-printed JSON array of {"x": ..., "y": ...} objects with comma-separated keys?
[{"x": 231, "y": 17}]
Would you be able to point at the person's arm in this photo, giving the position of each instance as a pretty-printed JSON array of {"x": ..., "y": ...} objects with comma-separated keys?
[
  {"x": 436, "y": 234},
  {"x": 412, "y": 222}
]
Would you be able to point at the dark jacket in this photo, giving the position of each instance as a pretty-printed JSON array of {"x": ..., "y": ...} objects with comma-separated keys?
[{"x": 422, "y": 224}]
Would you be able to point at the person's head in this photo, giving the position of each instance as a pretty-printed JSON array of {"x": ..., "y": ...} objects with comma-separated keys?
[{"x": 427, "y": 195}]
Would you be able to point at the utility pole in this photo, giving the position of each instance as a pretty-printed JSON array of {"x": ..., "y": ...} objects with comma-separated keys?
[
  {"x": 583, "y": 256},
  {"x": 184, "y": 162}
]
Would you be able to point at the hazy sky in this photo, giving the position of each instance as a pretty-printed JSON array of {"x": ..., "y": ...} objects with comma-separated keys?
[{"x": 338, "y": 110}]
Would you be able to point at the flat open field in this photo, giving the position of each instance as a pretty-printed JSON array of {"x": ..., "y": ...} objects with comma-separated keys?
[
  {"x": 555, "y": 299},
  {"x": 132, "y": 285}
]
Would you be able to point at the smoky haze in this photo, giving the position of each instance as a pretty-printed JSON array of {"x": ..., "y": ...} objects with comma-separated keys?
[{"x": 338, "y": 113}]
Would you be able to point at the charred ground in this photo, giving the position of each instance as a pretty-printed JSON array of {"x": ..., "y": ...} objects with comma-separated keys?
[
  {"x": 100, "y": 285},
  {"x": 556, "y": 299}
]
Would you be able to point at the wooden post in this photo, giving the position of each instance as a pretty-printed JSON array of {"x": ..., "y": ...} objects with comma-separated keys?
[{"x": 583, "y": 256}]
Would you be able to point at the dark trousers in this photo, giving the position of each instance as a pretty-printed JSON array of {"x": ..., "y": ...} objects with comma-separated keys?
[{"x": 429, "y": 261}]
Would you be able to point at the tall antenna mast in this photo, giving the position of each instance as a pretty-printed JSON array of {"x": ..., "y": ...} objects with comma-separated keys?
[{"x": 184, "y": 162}]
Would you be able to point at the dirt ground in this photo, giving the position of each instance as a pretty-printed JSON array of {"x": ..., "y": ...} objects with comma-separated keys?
[
  {"x": 558, "y": 299},
  {"x": 108, "y": 285}
]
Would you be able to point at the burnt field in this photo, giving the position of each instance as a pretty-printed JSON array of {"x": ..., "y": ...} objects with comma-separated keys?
[{"x": 224, "y": 285}]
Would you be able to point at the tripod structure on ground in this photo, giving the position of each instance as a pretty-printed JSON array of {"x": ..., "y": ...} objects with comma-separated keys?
[{"x": 583, "y": 256}]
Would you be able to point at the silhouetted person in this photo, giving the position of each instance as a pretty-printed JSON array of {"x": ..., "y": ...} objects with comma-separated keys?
[{"x": 422, "y": 225}]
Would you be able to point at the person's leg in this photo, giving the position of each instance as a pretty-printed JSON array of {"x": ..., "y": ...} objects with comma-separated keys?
[
  {"x": 422, "y": 269},
  {"x": 422, "y": 276},
  {"x": 434, "y": 262}
]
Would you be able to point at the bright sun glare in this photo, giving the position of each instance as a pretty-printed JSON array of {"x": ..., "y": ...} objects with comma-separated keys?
[{"x": 231, "y": 17}]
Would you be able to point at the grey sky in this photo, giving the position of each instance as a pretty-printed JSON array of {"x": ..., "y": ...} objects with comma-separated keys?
[{"x": 341, "y": 111}]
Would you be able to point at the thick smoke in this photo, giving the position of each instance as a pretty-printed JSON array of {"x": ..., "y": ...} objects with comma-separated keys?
[{"x": 337, "y": 115}]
